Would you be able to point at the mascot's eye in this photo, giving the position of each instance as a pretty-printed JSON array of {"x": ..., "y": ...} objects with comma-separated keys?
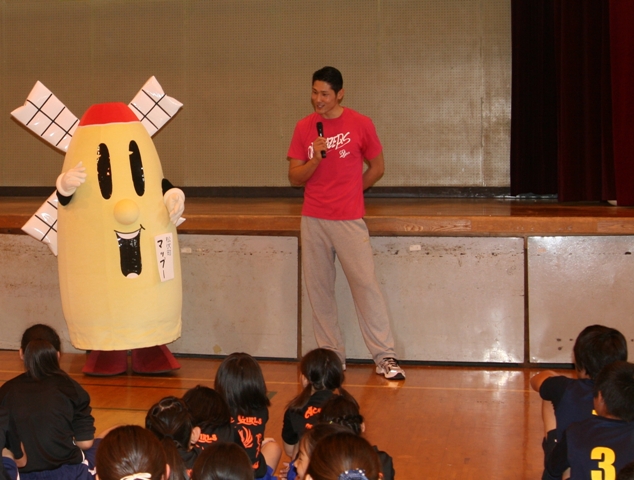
[
  {"x": 104, "y": 174},
  {"x": 136, "y": 166}
]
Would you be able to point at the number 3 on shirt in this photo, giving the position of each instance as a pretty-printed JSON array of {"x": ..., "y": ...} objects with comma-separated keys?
[{"x": 606, "y": 459}]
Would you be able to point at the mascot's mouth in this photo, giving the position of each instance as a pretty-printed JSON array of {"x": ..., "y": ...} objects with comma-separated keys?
[{"x": 130, "y": 252}]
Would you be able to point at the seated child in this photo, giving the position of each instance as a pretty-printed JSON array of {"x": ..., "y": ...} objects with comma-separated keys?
[
  {"x": 210, "y": 413},
  {"x": 321, "y": 376},
  {"x": 343, "y": 456},
  {"x": 171, "y": 422},
  {"x": 601, "y": 445},
  {"x": 345, "y": 411},
  {"x": 568, "y": 400},
  {"x": 223, "y": 461},
  {"x": 50, "y": 412},
  {"x": 131, "y": 452},
  {"x": 240, "y": 382}
]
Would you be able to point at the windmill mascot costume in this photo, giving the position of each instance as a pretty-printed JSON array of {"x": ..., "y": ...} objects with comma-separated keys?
[{"x": 115, "y": 217}]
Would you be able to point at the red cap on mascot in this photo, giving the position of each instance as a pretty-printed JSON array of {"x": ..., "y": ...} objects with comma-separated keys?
[{"x": 104, "y": 113}]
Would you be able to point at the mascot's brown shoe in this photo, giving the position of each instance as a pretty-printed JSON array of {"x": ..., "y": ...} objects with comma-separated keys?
[
  {"x": 105, "y": 364},
  {"x": 157, "y": 359}
]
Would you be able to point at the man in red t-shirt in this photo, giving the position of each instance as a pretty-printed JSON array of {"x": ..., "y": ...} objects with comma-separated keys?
[{"x": 327, "y": 155}]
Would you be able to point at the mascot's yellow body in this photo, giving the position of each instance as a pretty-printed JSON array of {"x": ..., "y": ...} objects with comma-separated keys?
[{"x": 112, "y": 294}]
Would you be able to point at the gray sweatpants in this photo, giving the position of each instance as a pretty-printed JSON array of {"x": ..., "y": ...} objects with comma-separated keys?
[{"x": 350, "y": 241}]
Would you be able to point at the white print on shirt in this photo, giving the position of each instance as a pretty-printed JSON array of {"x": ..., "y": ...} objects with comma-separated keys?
[
  {"x": 343, "y": 153},
  {"x": 338, "y": 141},
  {"x": 334, "y": 143}
]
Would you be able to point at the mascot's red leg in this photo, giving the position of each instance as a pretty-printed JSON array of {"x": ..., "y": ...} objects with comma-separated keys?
[
  {"x": 153, "y": 360},
  {"x": 102, "y": 363}
]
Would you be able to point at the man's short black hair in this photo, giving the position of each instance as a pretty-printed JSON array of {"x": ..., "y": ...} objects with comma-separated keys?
[
  {"x": 331, "y": 76},
  {"x": 597, "y": 346},
  {"x": 616, "y": 385}
]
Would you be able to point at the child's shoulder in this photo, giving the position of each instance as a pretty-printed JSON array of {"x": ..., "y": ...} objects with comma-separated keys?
[
  {"x": 592, "y": 427},
  {"x": 17, "y": 386},
  {"x": 387, "y": 463},
  {"x": 23, "y": 377},
  {"x": 555, "y": 387},
  {"x": 190, "y": 456},
  {"x": 64, "y": 382},
  {"x": 321, "y": 396},
  {"x": 211, "y": 434},
  {"x": 559, "y": 381},
  {"x": 255, "y": 417}
]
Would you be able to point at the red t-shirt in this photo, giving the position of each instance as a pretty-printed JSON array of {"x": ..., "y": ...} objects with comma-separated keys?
[{"x": 335, "y": 190}]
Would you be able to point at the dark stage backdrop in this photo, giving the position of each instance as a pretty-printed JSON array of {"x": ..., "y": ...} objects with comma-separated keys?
[
  {"x": 434, "y": 75},
  {"x": 622, "y": 69},
  {"x": 572, "y": 99}
]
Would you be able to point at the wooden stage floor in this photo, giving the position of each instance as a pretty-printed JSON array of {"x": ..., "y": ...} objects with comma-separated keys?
[
  {"x": 441, "y": 423},
  {"x": 385, "y": 216}
]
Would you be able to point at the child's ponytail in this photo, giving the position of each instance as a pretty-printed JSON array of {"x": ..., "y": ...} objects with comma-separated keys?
[
  {"x": 323, "y": 370},
  {"x": 41, "y": 360}
]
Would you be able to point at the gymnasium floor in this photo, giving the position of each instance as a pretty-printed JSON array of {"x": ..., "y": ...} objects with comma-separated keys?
[{"x": 441, "y": 423}]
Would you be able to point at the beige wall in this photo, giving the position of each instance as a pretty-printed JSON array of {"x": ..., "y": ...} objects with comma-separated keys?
[{"x": 433, "y": 74}]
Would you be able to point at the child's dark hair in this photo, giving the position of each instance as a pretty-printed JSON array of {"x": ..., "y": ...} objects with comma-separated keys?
[
  {"x": 171, "y": 422},
  {"x": 40, "y": 332},
  {"x": 207, "y": 407},
  {"x": 240, "y": 382},
  {"x": 616, "y": 385},
  {"x": 313, "y": 435},
  {"x": 223, "y": 461},
  {"x": 626, "y": 473},
  {"x": 127, "y": 450},
  {"x": 323, "y": 371},
  {"x": 40, "y": 347},
  {"x": 597, "y": 346},
  {"x": 343, "y": 452},
  {"x": 331, "y": 76},
  {"x": 342, "y": 411}
]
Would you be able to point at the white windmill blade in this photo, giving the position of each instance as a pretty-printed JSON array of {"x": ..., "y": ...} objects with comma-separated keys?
[
  {"x": 49, "y": 118},
  {"x": 43, "y": 224},
  {"x": 152, "y": 107}
]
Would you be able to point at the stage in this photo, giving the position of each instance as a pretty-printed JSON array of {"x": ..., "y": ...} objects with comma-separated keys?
[
  {"x": 384, "y": 216},
  {"x": 467, "y": 280}
]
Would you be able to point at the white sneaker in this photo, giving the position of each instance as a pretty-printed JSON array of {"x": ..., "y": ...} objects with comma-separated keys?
[{"x": 389, "y": 368}]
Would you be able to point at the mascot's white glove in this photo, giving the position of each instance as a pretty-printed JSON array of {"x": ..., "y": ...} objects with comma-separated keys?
[
  {"x": 174, "y": 200},
  {"x": 68, "y": 181}
]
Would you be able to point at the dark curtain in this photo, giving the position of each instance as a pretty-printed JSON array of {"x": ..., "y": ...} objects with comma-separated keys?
[
  {"x": 565, "y": 112},
  {"x": 584, "y": 104},
  {"x": 533, "y": 98},
  {"x": 622, "y": 58}
]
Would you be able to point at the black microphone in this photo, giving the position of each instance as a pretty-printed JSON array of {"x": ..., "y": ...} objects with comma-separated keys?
[{"x": 320, "y": 132}]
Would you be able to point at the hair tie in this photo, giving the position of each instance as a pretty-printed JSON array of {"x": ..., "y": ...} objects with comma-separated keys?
[
  {"x": 137, "y": 476},
  {"x": 356, "y": 474}
]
